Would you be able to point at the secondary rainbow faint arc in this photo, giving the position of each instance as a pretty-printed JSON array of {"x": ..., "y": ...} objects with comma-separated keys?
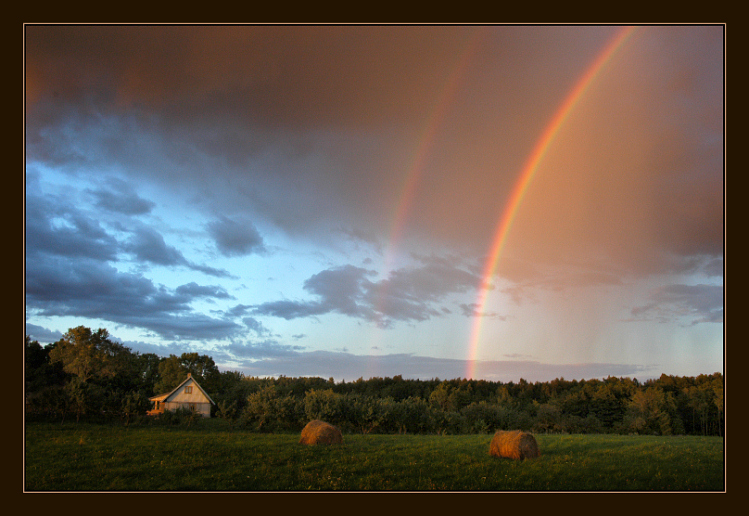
[
  {"x": 434, "y": 123},
  {"x": 526, "y": 176},
  {"x": 415, "y": 170}
]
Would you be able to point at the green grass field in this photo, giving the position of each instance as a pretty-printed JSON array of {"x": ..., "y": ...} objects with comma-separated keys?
[{"x": 214, "y": 457}]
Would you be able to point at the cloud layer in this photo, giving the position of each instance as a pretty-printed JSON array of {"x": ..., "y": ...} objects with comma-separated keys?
[
  {"x": 235, "y": 187},
  {"x": 303, "y": 115}
]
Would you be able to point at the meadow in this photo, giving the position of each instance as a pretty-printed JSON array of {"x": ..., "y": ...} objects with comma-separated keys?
[{"x": 212, "y": 456}]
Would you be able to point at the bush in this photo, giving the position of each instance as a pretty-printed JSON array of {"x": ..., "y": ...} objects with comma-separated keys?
[
  {"x": 267, "y": 411},
  {"x": 365, "y": 414},
  {"x": 324, "y": 405},
  {"x": 227, "y": 410},
  {"x": 133, "y": 406},
  {"x": 180, "y": 416},
  {"x": 415, "y": 415}
]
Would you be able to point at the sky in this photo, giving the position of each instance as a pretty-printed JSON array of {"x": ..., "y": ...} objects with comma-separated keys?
[{"x": 352, "y": 201}]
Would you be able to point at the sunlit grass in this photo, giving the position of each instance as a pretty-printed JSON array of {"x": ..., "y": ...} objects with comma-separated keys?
[{"x": 216, "y": 458}]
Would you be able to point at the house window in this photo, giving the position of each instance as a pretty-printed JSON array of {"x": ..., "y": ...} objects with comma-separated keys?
[
  {"x": 192, "y": 407},
  {"x": 188, "y": 390}
]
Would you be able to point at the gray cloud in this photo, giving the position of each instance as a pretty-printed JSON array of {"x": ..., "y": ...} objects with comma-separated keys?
[
  {"x": 210, "y": 271},
  {"x": 234, "y": 238},
  {"x": 54, "y": 227},
  {"x": 306, "y": 152},
  {"x": 121, "y": 198},
  {"x": 349, "y": 367},
  {"x": 256, "y": 326},
  {"x": 313, "y": 133},
  {"x": 267, "y": 349},
  {"x": 436, "y": 277},
  {"x": 148, "y": 245},
  {"x": 714, "y": 267},
  {"x": 42, "y": 334},
  {"x": 56, "y": 286},
  {"x": 291, "y": 309},
  {"x": 407, "y": 294},
  {"x": 692, "y": 303},
  {"x": 281, "y": 68},
  {"x": 189, "y": 325},
  {"x": 193, "y": 290},
  {"x": 162, "y": 350},
  {"x": 343, "y": 289},
  {"x": 472, "y": 310},
  {"x": 238, "y": 310}
]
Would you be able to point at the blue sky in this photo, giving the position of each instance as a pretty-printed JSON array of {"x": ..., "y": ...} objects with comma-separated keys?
[{"x": 235, "y": 191}]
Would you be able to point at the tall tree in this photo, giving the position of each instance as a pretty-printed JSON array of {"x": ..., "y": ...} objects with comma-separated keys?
[
  {"x": 100, "y": 370},
  {"x": 148, "y": 370},
  {"x": 173, "y": 370},
  {"x": 90, "y": 355}
]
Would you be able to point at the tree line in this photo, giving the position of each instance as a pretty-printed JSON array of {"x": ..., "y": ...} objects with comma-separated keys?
[{"x": 87, "y": 375}]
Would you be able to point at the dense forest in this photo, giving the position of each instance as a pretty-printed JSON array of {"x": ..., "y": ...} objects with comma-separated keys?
[{"x": 86, "y": 375}]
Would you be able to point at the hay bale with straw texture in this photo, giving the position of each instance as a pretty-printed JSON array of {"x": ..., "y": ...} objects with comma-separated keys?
[
  {"x": 514, "y": 444},
  {"x": 320, "y": 432}
]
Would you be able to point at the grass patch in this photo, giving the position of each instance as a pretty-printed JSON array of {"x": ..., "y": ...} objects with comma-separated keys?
[{"x": 215, "y": 457}]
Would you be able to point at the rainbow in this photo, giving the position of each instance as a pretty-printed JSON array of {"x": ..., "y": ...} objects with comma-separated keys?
[
  {"x": 512, "y": 206},
  {"x": 415, "y": 168},
  {"x": 433, "y": 124}
]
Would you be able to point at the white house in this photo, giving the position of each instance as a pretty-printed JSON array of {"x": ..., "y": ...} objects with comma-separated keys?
[{"x": 189, "y": 394}]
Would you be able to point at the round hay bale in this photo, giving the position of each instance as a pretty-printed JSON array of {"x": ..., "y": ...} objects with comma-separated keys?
[
  {"x": 514, "y": 444},
  {"x": 320, "y": 432}
]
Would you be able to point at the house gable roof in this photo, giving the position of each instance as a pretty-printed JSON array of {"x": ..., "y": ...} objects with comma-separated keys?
[{"x": 165, "y": 397}]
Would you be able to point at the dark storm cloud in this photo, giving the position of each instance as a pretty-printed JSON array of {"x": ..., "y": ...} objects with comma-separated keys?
[
  {"x": 292, "y": 122},
  {"x": 293, "y": 75},
  {"x": 234, "y": 238},
  {"x": 55, "y": 227},
  {"x": 407, "y": 294},
  {"x": 58, "y": 286},
  {"x": 312, "y": 133},
  {"x": 299, "y": 114},
  {"x": 691, "y": 303}
]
